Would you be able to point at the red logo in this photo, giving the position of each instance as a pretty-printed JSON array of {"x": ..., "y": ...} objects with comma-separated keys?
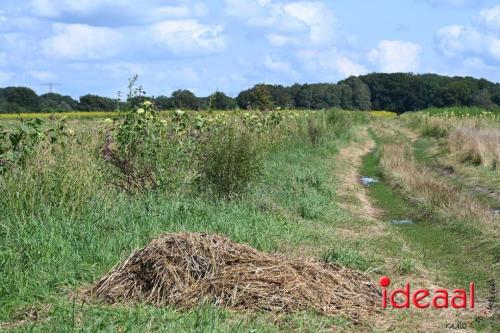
[{"x": 425, "y": 298}]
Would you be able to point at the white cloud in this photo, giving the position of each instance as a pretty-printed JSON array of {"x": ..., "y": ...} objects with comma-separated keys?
[
  {"x": 347, "y": 67},
  {"x": 19, "y": 44},
  {"x": 479, "y": 64},
  {"x": 281, "y": 40},
  {"x": 479, "y": 40},
  {"x": 291, "y": 23},
  {"x": 490, "y": 18},
  {"x": 330, "y": 63},
  {"x": 457, "y": 41},
  {"x": 396, "y": 56},
  {"x": 81, "y": 42},
  {"x": 279, "y": 66},
  {"x": 188, "y": 36},
  {"x": 43, "y": 75},
  {"x": 175, "y": 11},
  {"x": 78, "y": 42},
  {"x": 319, "y": 19}
]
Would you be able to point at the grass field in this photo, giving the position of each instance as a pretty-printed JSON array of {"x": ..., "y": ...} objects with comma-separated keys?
[{"x": 294, "y": 191}]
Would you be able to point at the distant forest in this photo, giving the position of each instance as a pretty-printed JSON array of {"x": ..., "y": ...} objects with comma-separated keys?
[{"x": 399, "y": 92}]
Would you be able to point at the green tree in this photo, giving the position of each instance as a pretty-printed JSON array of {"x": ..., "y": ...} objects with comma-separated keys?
[
  {"x": 56, "y": 102},
  {"x": 244, "y": 99},
  {"x": 281, "y": 96},
  {"x": 345, "y": 96},
  {"x": 164, "y": 103},
  {"x": 482, "y": 98},
  {"x": 219, "y": 101},
  {"x": 97, "y": 103},
  {"x": 262, "y": 97},
  {"x": 304, "y": 97},
  {"x": 24, "y": 97},
  {"x": 185, "y": 99},
  {"x": 361, "y": 95}
]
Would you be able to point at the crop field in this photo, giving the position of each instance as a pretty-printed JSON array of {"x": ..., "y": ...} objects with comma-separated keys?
[{"x": 246, "y": 221}]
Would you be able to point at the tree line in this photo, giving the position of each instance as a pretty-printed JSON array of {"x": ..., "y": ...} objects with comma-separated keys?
[{"x": 398, "y": 92}]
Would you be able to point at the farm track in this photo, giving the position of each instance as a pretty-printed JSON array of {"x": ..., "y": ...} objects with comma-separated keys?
[{"x": 421, "y": 275}]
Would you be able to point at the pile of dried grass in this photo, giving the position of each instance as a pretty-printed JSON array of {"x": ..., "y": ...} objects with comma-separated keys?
[{"x": 186, "y": 269}]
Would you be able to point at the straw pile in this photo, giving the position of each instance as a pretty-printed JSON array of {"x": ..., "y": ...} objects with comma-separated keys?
[{"x": 186, "y": 269}]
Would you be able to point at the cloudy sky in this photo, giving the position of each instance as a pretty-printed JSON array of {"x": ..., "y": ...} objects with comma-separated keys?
[{"x": 94, "y": 46}]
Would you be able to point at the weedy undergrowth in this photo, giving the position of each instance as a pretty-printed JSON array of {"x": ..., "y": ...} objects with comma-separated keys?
[
  {"x": 230, "y": 161},
  {"x": 18, "y": 145},
  {"x": 315, "y": 131},
  {"x": 138, "y": 151}
]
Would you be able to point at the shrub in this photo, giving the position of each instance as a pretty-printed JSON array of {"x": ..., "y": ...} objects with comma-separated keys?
[
  {"x": 142, "y": 152},
  {"x": 230, "y": 160},
  {"x": 134, "y": 151},
  {"x": 315, "y": 131}
]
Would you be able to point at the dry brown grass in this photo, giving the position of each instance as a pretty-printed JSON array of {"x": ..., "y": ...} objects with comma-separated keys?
[
  {"x": 419, "y": 182},
  {"x": 186, "y": 269},
  {"x": 477, "y": 146}
]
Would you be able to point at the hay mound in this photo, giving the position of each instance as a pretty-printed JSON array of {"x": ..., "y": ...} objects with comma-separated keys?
[{"x": 186, "y": 269}]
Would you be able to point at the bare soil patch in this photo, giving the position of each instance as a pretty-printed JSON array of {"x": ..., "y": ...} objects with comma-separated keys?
[{"x": 350, "y": 159}]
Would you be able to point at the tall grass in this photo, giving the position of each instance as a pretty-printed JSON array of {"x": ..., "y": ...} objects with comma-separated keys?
[
  {"x": 477, "y": 146},
  {"x": 230, "y": 160},
  {"x": 471, "y": 135},
  {"x": 418, "y": 182}
]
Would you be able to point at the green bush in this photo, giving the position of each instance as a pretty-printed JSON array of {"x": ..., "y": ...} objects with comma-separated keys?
[{"x": 230, "y": 160}]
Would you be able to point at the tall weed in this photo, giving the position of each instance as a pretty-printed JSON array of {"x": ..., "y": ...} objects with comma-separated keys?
[{"x": 229, "y": 161}]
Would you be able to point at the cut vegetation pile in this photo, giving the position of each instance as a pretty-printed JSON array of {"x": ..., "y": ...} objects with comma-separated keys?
[{"x": 187, "y": 269}]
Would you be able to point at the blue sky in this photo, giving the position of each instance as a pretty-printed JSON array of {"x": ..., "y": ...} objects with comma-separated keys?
[{"x": 94, "y": 46}]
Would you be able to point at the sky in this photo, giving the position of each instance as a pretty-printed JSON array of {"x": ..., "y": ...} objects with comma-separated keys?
[{"x": 94, "y": 46}]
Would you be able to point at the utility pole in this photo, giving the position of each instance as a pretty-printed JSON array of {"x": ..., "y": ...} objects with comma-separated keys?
[{"x": 51, "y": 86}]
